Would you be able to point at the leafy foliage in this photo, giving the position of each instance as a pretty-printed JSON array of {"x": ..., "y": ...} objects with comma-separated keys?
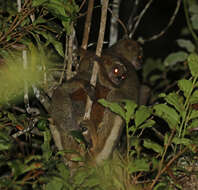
[{"x": 179, "y": 115}]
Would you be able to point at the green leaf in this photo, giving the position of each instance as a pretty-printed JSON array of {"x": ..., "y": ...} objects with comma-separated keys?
[
  {"x": 194, "y": 98},
  {"x": 193, "y": 125},
  {"x": 42, "y": 125},
  {"x": 64, "y": 171},
  {"x": 114, "y": 107},
  {"x": 141, "y": 115},
  {"x": 161, "y": 186},
  {"x": 168, "y": 114},
  {"x": 32, "y": 158},
  {"x": 80, "y": 177},
  {"x": 183, "y": 141},
  {"x": 12, "y": 117},
  {"x": 78, "y": 136},
  {"x": 5, "y": 141},
  {"x": 50, "y": 39},
  {"x": 150, "y": 66},
  {"x": 155, "y": 163},
  {"x": 153, "y": 145},
  {"x": 4, "y": 146},
  {"x": 47, "y": 153},
  {"x": 175, "y": 100},
  {"x": 57, "y": 8},
  {"x": 193, "y": 8},
  {"x": 193, "y": 64},
  {"x": 40, "y": 20},
  {"x": 91, "y": 182},
  {"x": 148, "y": 124},
  {"x": 194, "y": 114},
  {"x": 186, "y": 86},
  {"x": 130, "y": 107},
  {"x": 138, "y": 165},
  {"x": 17, "y": 167},
  {"x": 162, "y": 95},
  {"x": 135, "y": 142},
  {"x": 37, "y": 3},
  {"x": 194, "y": 20},
  {"x": 78, "y": 159},
  {"x": 174, "y": 58},
  {"x": 55, "y": 183},
  {"x": 155, "y": 77},
  {"x": 190, "y": 47},
  {"x": 132, "y": 129}
]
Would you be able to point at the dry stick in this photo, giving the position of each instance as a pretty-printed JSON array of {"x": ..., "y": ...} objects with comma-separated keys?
[
  {"x": 140, "y": 17},
  {"x": 82, "y": 4},
  {"x": 68, "y": 56},
  {"x": 119, "y": 21},
  {"x": 154, "y": 37},
  {"x": 113, "y": 23},
  {"x": 98, "y": 53},
  {"x": 131, "y": 18},
  {"x": 166, "y": 167},
  {"x": 87, "y": 24},
  {"x": 69, "y": 42}
]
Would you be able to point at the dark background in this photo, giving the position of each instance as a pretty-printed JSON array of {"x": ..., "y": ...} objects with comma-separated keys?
[{"x": 155, "y": 19}]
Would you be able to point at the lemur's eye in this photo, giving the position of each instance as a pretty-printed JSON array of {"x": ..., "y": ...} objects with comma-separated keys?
[
  {"x": 116, "y": 70},
  {"x": 123, "y": 77},
  {"x": 139, "y": 57}
]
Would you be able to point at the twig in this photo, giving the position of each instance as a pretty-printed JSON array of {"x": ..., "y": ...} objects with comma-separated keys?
[
  {"x": 87, "y": 24},
  {"x": 139, "y": 18},
  {"x": 188, "y": 23},
  {"x": 118, "y": 20},
  {"x": 68, "y": 57},
  {"x": 113, "y": 33},
  {"x": 166, "y": 167},
  {"x": 98, "y": 53},
  {"x": 154, "y": 37},
  {"x": 133, "y": 12},
  {"x": 15, "y": 24},
  {"x": 82, "y": 4},
  {"x": 31, "y": 125}
]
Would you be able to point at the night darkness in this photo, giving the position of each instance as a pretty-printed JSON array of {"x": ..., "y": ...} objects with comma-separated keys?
[{"x": 155, "y": 19}]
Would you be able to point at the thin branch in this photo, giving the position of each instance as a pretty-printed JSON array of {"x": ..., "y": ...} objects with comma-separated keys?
[
  {"x": 98, "y": 53},
  {"x": 189, "y": 24},
  {"x": 82, "y": 4},
  {"x": 140, "y": 17},
  {"x": 166, "y": 167},
  {"x": 15, "y": 24},
  {"x": 86, "y": 12},
  {"x": 113, "y": 33},
  {"x": 154, "y": 37},
  {"x": 133, "y": 12},
  {"x": 87, "y": 24},
  {"x": 68, "y": 56},
  {"x": 119, "y": 21}
]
